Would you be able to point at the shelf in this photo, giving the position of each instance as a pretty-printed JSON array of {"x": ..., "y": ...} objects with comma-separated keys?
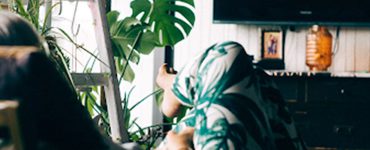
[{"x": 283, "y": 73}]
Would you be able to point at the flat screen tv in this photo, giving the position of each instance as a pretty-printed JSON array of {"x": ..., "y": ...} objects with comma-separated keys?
[{"x": 293, "y": 12}]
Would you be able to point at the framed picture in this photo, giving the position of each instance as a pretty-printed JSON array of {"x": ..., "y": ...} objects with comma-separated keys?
[
  {"x": 272, "y": 50},
  {"x": 272, "y": 44}
]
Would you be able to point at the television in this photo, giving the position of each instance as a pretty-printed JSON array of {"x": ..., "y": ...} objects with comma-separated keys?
[{"x": 293, "y": 12}]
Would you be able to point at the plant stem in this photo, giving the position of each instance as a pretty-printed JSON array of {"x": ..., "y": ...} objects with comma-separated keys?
[
  {"x": 153, "y": 93},
  {"x": 108, "y": 6},
  {"x": 134, "y": 45}
]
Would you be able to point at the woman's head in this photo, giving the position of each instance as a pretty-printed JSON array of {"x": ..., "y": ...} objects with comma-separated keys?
[{"x": 16, "y": 31}]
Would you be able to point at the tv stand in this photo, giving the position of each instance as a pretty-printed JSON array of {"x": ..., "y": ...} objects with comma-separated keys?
[{"x": 331, "y": 110}]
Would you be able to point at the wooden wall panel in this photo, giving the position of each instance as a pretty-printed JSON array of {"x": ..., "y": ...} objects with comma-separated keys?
[
  {"x": 339, "y": 52},
  {"x": 254, "y": 41},
  {"x": 243, "y": 40},
  {"x": 350, "y": 35},
  {"x": 301, "y": 51},
  {"x": 362, "y": 49},
  {"x": 290, "y": 51}
]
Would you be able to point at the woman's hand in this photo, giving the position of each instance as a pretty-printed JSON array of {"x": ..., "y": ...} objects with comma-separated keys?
[
  {"x": 165, "y": 79},
  {"x": 180, "y": 141}
]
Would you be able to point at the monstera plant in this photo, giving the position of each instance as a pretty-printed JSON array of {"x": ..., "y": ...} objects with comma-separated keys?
[
  {"x": 152, "y": 24},
  {"x": 156, "y": 23}
]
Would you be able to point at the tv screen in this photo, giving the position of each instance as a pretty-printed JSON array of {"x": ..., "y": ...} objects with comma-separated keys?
[{"x": 293, "y": 12}]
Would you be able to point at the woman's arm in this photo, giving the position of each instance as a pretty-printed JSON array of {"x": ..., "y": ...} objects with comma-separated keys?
[{"x": 171, "y": 104}]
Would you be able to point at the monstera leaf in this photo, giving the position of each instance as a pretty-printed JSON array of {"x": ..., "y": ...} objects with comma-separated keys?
[
  {"x": 141, "y": 6},
  {"x": 129, "y": 37},
  {"x": 168, "y": 26},
  {"x": 130, "y": 33}
]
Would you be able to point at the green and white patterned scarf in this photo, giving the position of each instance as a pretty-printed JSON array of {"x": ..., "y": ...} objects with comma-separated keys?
[{"x": 234, "y": 104}]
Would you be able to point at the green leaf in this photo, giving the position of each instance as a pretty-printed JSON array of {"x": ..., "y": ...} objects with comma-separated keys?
[
  {"x": 121, "y": 51},
  {"x": 140, "y": 6},
  {"x": 125, "y": 33},
  {"x": 127, "y": 119},
  {"x": 143, "y": 99},
  {"x": 112, "y": 17},
  {"x": 134, "y": 137},
  {"x": 20, "y": 10},
  {"x": 123, "y": 26},
  {"x": 89, "y": 104},
  {"x": 33, "y": 9},
  {"x": 132, "y": 123},
  {"x": 47, "y": 14},
  {"x": 128, "y": 40},
  {"x": 190, "y": 2},
  {"x": 129, "y": 74},
  {"x": 126, "y": 98},
  {"x": 165, "y": 24},
  {"x": 141, "y": 130},
  {"x": 147, "y": 43},
  {"x": 170, "y": 34}
]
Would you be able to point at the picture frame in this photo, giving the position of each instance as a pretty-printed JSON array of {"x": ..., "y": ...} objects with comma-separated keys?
[
  {"x": 272, "y": 49},
  {"x": 272, "y": 44}
]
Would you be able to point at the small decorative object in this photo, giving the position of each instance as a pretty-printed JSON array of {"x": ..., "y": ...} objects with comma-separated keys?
[
  {"x": 272, "y": 47},
  {"x": 4, "y": 4},
  {"x": 272, "y": 51},
  {"x": 318, "y": 48}
]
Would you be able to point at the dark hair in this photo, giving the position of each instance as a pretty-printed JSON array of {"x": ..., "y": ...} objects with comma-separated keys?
[
  {"x": 15, "y": 30},
  {"x": 50, "y": 115}
]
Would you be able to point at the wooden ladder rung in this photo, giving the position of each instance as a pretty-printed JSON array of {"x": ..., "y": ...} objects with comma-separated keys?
[{"x": 90, "y": 79}]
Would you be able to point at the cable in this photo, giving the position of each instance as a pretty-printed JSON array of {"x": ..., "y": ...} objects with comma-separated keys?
[{"x": 336, "y": 41}]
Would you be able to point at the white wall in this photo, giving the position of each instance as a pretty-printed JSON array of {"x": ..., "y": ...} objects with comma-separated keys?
[
  {"x": 85, "y": 36},
  {"x": 353, "y": 51}
]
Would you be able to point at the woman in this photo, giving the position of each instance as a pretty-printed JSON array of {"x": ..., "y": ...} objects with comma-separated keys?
[
  {"x": 51, "y": 116},
  {"x": 234, "y": 104}
]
